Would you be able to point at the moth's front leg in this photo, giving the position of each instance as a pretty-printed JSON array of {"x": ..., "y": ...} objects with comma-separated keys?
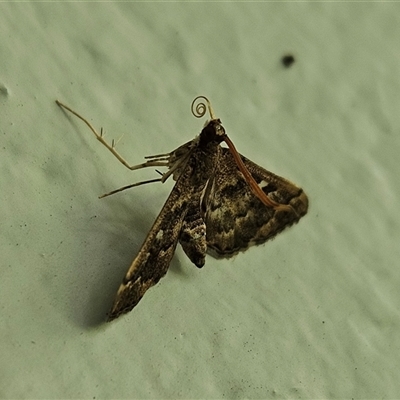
[{"x": 193, "y": 235}]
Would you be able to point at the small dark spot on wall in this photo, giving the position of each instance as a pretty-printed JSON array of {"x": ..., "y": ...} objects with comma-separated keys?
[{"x": 288, "y": 60}]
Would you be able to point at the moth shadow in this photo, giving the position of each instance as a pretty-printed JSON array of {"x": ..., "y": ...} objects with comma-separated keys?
[
  {"x": 124, "y": 232},
  {"x": 178, "y": 267}
]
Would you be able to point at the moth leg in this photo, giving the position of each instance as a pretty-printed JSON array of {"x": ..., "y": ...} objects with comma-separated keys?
[
  {"x": 130, "y": 186},
  {"x": 155, "y": 161},
  {"x": 164, "y": 177}
]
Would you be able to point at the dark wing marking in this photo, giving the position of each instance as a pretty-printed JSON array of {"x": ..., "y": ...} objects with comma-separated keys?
[{"x": 235, "y": 218}]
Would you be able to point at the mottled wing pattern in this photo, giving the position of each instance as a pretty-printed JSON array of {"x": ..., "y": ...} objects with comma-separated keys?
[
  {"x": 154, "y": 257},
  {"x": 235, "y": 218}
]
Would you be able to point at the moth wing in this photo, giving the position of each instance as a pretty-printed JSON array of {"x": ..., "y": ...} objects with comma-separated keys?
[
  {"x": 154, "y": 257},
  {"x": 235, "y": 218}
]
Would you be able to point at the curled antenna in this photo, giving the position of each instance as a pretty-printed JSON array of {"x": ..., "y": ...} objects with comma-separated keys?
[{"x": 201, "y": 108}]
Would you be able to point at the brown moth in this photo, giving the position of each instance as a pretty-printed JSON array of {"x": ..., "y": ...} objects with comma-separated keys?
[{"x": 221, "y": 201}]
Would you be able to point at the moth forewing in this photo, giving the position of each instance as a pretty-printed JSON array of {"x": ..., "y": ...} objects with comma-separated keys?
[
  {"x": 220, "y": 201},
  {"x": 235, "y": 218},
  {"x": 154, "y": 257}
]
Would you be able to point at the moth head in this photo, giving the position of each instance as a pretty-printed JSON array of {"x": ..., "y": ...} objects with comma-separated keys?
[{"x": 212, "y": 130}]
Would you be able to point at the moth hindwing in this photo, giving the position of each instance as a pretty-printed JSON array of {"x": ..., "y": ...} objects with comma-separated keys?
[{"x": 221, "y": 202}]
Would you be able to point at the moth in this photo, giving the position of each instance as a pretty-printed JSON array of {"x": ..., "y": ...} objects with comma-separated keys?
[{"x": 221, "y": 202}]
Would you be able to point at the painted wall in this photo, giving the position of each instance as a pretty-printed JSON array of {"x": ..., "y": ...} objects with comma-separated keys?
[{"x": 311, "y": 314}]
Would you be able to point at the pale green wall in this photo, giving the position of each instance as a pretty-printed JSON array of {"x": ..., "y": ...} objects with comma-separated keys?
[{"x": 312, "y": 314}]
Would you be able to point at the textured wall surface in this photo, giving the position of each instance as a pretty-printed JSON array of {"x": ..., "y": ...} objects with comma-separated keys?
[{"x": 311, "y": 314}]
